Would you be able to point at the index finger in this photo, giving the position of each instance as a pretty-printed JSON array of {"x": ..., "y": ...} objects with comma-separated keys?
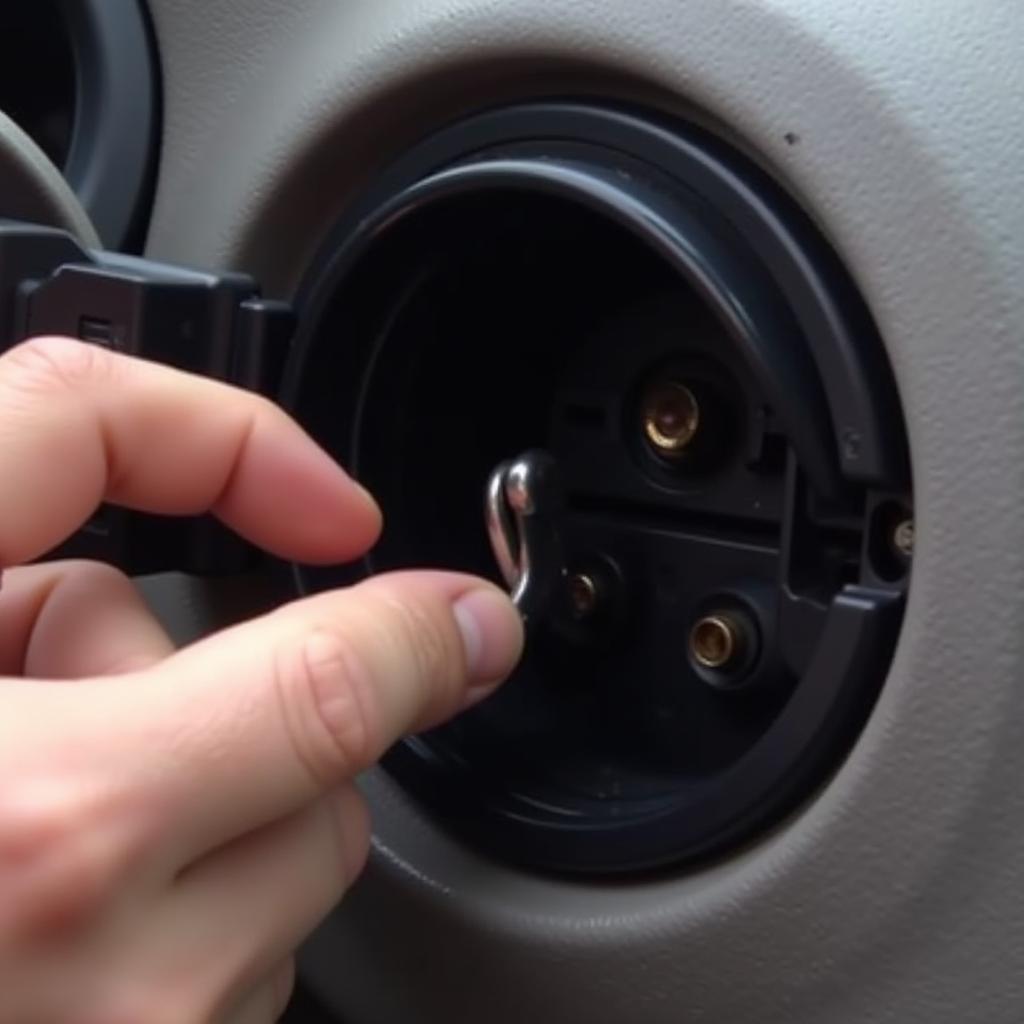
[{"x": 80, "y": 424}]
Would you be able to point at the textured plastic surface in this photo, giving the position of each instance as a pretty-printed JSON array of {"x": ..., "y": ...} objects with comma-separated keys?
[{"x": 897, "y": 894}]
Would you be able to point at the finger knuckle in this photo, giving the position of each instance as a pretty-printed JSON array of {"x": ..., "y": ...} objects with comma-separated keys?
[
  {"x": 60, "y": 858},
  {"x": 53, "y": 362},
  {"x": 324, "y": 687}
]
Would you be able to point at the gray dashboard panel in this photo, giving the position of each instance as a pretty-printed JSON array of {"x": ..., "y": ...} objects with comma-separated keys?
[{"x": 896, "y": 894}]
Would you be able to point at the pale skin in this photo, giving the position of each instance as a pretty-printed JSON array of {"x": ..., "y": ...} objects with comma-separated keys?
[{"x": 173, "y": 823}]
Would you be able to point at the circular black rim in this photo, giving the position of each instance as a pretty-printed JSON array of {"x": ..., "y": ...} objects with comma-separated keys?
[
  {"x": 111, "y": 162},
  {"x": 746, "y": 229}
]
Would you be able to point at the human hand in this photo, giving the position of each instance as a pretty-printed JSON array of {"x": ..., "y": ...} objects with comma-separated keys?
[{"x": 173, "y": 823}]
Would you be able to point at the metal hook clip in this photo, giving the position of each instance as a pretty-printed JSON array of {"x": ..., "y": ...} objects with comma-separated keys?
[{"x": 523, "y": 504}]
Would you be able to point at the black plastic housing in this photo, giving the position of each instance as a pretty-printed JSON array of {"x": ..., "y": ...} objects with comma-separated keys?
[
  {"x": 515, "y": 281},
  {"x": 215, "y": 325}
]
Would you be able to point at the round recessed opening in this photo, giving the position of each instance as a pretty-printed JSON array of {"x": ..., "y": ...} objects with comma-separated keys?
[
  {"x": 37, "y": 74},
  {"x": 507, "y": 298},
  {"x": 590, "y": 301},
  {"x": 671, "y": 418},
  {"x": 715, "y": 641}
]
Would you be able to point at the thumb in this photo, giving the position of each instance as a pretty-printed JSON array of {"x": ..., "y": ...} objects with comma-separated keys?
[{"x": 254, "y": 722}]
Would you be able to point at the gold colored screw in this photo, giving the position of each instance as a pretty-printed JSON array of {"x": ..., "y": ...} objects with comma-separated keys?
[
  {"x": 671, "y": 417},
  {"x": 715, "y": 641}
]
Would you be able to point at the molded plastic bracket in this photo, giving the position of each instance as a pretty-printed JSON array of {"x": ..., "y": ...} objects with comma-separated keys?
[{"x": 216, "y": 325}]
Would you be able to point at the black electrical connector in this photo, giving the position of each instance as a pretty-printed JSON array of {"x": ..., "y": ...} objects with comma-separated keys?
[{"x": 216, "y": 325}]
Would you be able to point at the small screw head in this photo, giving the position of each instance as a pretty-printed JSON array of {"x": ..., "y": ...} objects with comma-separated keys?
[
  {"x": 671, "y": 418},
  {"x": 903, "y": 537},
  {"x": 583, "y": 594},
  {"x": 716, "y": 641}
]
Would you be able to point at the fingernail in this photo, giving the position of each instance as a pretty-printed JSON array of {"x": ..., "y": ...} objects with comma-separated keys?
[
  {"x": 363, "y": 491},
  {"x": 375, "y": 510},
  {"x": 492, "y": 635},
  {"x": 366, "y": 495}
]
